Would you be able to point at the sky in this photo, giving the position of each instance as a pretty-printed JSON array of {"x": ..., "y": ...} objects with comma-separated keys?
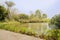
[{"x": 50, "y": 7}]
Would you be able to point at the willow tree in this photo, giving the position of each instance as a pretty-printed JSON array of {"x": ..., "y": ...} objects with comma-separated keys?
[{"x": 9, "y": 6}]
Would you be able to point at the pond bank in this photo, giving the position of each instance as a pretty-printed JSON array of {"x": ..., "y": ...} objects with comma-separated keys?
[{"x": 7, "y": 35}]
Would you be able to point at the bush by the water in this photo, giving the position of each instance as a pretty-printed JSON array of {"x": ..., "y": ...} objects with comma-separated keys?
[{"x": 53, "y": 34}]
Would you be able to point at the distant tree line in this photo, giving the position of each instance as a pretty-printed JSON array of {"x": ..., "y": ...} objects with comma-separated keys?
[{"x": 9, "y": 14}]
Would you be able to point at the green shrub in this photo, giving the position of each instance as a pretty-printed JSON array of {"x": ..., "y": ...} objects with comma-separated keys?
[
  {"x": 30, "y": 32},
  {"x": 22, "y": 30},
  {"x": 53, "y": 34}
]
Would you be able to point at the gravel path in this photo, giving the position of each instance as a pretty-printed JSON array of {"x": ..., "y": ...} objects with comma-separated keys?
[{"x": 7, "y": 35}]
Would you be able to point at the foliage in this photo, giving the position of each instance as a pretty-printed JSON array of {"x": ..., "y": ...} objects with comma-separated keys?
[
  {"x": 9, "y": 6},
  {"x": 55, "y": 25},
  {"x": 16, "y": 27},
  {"x": 23, "y": 16},
  {"x": 9, "y": 3},
  {"x": 38, "y": 13},
  {"x": 38, "y": 17},
  {"x": 53, "y": 34},
  {"x": 44, "y": 15},
  {"x": 3, "y": 13},
  {"x": 32, "y": 16},
  {"x": 56, "y": 21}
]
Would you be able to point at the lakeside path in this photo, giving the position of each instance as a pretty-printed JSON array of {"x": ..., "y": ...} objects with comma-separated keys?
[{"x": 7, "y": 35}]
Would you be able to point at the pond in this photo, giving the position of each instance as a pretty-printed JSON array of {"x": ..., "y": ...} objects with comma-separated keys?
[{"x": 39, "y": 28}]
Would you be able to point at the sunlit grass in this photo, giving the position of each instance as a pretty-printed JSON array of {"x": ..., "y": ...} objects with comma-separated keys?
[
  {"x": 21, "y": 28},
  {"x": 17, "y": 27}
]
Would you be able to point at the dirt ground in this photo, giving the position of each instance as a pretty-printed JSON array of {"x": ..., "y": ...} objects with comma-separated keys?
[{"x": 7, "y": 35}]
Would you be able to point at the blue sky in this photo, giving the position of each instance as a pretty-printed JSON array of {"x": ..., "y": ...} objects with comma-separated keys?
[{"x": 50, "y": 7}]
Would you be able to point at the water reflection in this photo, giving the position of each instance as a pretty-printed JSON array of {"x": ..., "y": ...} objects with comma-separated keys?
[{"x": 39, "y": 28}]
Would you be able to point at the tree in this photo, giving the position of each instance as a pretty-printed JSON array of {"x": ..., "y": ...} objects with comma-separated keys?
[
  {"x": 44, "y": 15},
  {"x": 32, "y": 16},
  {"x": 56, "y": 21},
  {"x": 9, "y": 5},
  {"x": 23, "y": 16},
  {"x": 3, "y": 13},
  {"x": 38, "y": 13}
]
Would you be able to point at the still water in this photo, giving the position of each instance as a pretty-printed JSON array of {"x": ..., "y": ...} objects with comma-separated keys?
[{"x": 39, "y": 28}]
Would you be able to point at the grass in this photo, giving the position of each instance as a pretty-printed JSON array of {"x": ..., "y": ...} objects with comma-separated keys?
[
  {"x": 17, "y": 27},
  {"x": 22, "y": 28}
]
